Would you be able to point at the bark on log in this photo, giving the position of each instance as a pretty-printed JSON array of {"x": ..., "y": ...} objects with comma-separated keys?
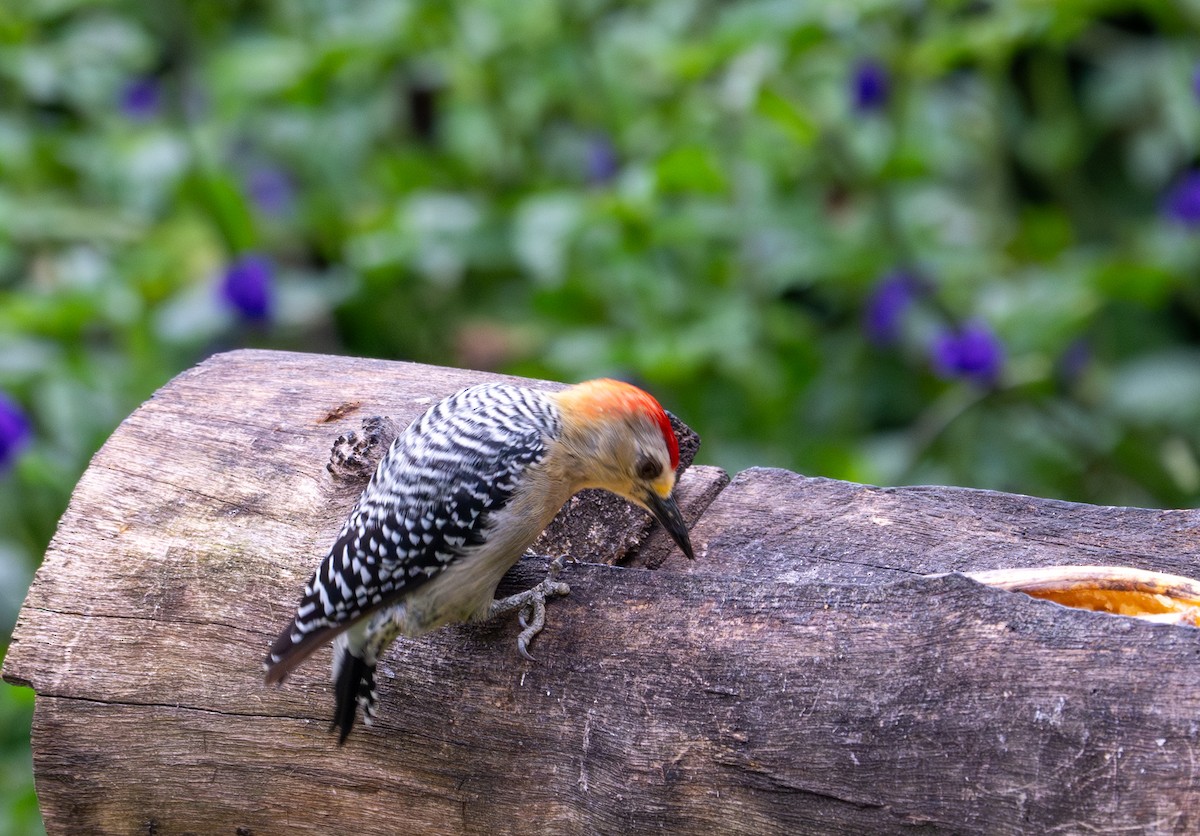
[{"x": 802, "y": 675}]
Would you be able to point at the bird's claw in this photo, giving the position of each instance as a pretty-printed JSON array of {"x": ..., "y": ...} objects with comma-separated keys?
[
  {"x": 531, "y": 606},
  {"x": 538, "y": 605}
]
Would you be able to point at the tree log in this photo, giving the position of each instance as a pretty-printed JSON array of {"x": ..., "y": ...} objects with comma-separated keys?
[{"x": 811, "y": 671}]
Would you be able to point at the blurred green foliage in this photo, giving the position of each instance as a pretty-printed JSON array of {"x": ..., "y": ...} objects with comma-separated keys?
[{"x": 706, "y": 197}]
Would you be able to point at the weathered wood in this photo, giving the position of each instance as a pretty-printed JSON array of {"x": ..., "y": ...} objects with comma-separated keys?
[
  {"x": 800, "y": 676},
  {"x": 838, "y": 708},
  {"x": 823, "y": 529}
]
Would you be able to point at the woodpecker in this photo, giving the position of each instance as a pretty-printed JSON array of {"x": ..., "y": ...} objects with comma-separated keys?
[{"x": 457, "y": 499}]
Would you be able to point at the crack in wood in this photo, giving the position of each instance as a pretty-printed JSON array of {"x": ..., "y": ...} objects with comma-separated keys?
[
  {"x": 120, "y": 703},
  {"x": 153, "y": 619}
]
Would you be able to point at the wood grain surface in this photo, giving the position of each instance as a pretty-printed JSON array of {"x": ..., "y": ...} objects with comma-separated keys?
[{"x": 802, "y": 675}]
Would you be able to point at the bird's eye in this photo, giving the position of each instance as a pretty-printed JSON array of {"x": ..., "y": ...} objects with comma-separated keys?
[{"x": 649, "y": 469}]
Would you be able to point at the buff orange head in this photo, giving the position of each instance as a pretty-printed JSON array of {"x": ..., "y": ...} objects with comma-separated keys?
[{"x": 624, "y": 442}]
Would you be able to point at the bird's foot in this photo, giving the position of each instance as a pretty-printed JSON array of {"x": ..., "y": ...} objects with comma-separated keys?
[{"x": 531, "y": 606}]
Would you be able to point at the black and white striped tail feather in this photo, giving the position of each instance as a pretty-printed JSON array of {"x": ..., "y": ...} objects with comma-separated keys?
[
  {"x": 354, "y": 676},
  {"x": 354, "y": 688},
  {"x": 298, "y": 641}
]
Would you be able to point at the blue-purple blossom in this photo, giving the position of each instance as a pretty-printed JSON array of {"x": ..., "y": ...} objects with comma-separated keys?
[
  {"x": 270, "y": 189},
  {"x": 248, "y": 286},
  {"x": 141, "y": 98},
  {"x": 1182, "y": 202},
  {"x": 14, "y": 430},
  {"x": 971, "y": 352},
  {"x": 602, "y": 162},
  {"x": 869, "y": 86},
  {"x": 889, "y": 300}
]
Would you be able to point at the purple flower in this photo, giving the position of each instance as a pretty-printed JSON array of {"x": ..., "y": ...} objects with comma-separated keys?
[
  {"x": 1196, "y": 81},
  {"x": 270, "y": 188},
  {"x": 971, "y": 352},
  {"x": 869, "y": 86},
  {"x": 889, "y": 299},
  {"x": 602, "y": 162},
  {"x": 14, "y": 430},
  {"x": 1182, "y": 202},
  {"x": 141, "y": 99},
  {"x": 247, "y": 286}
]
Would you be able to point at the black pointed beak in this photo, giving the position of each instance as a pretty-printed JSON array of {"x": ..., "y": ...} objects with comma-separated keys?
[{"x": 666, "y": 511}]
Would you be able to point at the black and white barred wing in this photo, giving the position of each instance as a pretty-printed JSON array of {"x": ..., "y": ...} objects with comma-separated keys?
[{"x": 428, "y": 502}]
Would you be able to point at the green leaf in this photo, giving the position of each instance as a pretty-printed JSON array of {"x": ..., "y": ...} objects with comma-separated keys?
[
  {"x": 260, "y": 65},
  {"x": 788, "y": 116},
  {"x": 1161, "y": 388},
  {"x": 691, "y": 168}
]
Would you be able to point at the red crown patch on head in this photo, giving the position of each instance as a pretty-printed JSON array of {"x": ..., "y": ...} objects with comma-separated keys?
[
  {"x": 605, "y": 395},
  {"x": 664, "y": 424}
]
